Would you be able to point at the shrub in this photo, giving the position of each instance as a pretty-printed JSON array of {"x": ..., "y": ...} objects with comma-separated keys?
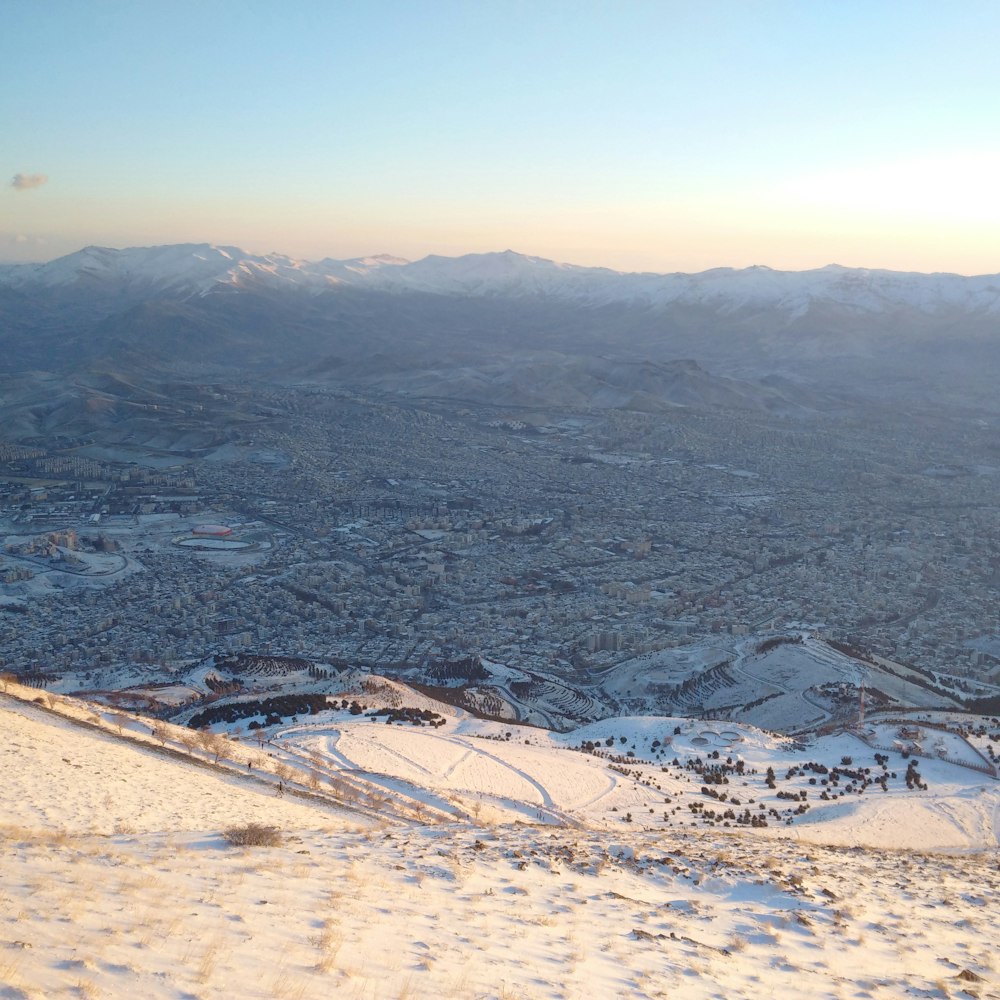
[{"x": 252, "y": 835}]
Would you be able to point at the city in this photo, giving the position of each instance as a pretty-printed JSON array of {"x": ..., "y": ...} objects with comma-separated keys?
[{"x": 388, "y": 534}]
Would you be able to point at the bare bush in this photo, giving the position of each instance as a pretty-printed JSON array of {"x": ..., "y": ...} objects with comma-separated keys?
[
  {"x": 252, "y": 835},
  {"x": 213, "y": 743}
]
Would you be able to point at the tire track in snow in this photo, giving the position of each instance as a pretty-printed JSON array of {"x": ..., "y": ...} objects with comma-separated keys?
[
  {"x": 362, "y": 782},
  {"x": 547, "y": 800},
  {"x": 548, "y": 805},
  {"x": 458, "y": 763},
  {"x": 399, "y": 756},
  {"x": 612, "y": 785}
]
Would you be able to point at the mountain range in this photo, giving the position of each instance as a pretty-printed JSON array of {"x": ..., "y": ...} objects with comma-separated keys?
[
  {"x": 187, "y": 270},
  {"x": 509, "y": 328}
]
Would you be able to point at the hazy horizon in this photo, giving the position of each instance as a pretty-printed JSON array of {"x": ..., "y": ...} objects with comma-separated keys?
[
  {"x": 641, "y": 137},
  {"x": 276, "y": 251}
]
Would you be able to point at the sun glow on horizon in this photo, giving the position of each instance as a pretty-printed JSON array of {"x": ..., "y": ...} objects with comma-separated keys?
[{"x": 644, "y": 137}]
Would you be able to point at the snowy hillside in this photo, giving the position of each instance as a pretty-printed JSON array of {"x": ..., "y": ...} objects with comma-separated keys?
[{"x": 456, "y": 860}]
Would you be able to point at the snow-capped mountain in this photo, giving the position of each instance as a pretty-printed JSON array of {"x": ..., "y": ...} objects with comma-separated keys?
[
  {"x": 184, "y": 270},
  {"x": 424, "y": 326},
  {"x": 195, "y": 269},
  {"x": 794, "y": 292}
]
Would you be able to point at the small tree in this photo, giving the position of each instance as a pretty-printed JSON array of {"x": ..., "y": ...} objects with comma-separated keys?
[
  {"x": 217, "y": 745},
  {"x": 214, "y": 743}
]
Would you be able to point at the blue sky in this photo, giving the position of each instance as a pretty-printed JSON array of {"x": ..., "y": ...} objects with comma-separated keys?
[{"x": 639, "y": 135}]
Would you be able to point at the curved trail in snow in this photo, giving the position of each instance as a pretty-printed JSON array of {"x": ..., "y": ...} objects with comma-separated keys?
[
  {"x": 399, "y": 755},
  {"x": 458, "y": 763},
  {"x": 612, "y": 785},
  {"x": 547, "y": 800}
]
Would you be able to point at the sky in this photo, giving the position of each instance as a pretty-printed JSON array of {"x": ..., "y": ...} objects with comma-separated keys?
[{"x": 659, "y": 136}]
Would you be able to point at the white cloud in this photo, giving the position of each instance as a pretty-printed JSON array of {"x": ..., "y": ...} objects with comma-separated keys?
[{"x": 26, "y": 182}]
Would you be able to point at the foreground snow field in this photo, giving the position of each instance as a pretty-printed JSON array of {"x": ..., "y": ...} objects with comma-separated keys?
[{"x": 461, "y": 863}]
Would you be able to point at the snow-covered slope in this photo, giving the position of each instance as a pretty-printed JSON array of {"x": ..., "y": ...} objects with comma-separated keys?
[{"x": 116, "y": 881}]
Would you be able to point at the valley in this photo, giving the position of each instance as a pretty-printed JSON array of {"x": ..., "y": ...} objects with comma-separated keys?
[
  {"x": 574, "y": 547},
  {"x": 548, "y": 660}
]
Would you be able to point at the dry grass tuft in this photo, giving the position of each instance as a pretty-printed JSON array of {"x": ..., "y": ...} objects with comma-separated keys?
[
  {"x": 737, "y": 943},
  {"x": 252, "y": 835},
  {"x": 327, "y": 943}
]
